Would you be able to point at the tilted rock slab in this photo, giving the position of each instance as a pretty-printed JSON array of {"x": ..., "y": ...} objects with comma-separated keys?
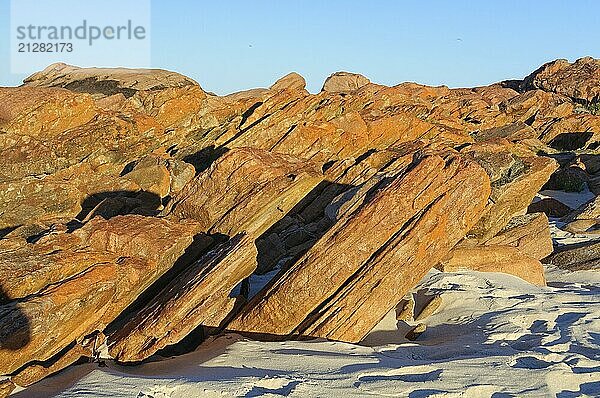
[
  {"x": 35, "y": 372},
  {"x": 198, "y": 296},
  {"x": 131, "y": 253},
  {"x": 245, "y": 190},
  {"x": 375, "y": 253},
  {"x": 512, "y": 193}
]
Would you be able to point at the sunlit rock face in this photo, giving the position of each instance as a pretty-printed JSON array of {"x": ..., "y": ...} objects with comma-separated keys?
[{"x": 137, "y": 210}]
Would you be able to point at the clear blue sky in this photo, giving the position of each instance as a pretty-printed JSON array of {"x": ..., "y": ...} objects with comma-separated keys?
[{"x": 234, "y": 45}]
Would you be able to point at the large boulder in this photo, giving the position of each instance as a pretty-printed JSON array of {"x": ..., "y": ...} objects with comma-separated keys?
[
  {"x": 340, "y": 82},
  {"x": 291, "y": 81}
]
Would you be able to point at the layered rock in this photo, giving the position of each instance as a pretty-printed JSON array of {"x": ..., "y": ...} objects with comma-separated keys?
[
  {"x": 38, "y": 201},
  {"x": 35, "y": 372},
  {"x": 198, "y": 296},
  {"x": 356, "y": 250},
  {"x": 573, "y": 132},
  {"x": 245, "y": 190},
  {"x": 515, "y": 250},
  {"x": 42, "y": 112},
  {"x": 394, "y": 179},
  {"x": 578, "y": 80},
  {"x": 576, "y": 257},
  {"x": 115, "y": 261},
  {"x": 529, "y": 233},
  {"x": 515, "y": 181}
]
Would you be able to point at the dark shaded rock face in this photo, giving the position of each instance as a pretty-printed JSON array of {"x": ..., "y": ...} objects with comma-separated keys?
[
  {"x": 576, "y": 257},
  {"x": 551, "y": 207},
  {"x": 134, "y": 206}
]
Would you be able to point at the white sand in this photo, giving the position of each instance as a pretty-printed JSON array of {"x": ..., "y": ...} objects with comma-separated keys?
[
  {"x": 494, "y": 335},
  {"x": 571, "y": 199}
]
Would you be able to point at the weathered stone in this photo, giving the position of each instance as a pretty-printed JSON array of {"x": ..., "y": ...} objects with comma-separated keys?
[
  {"x": 529, "y": 233},
  {"x": 414, "y": 333},
  {"x": 38, "y": 201},
  {"x": 291, "y": 81},
  {"x": 429, "y": 308},
  {"x": 576, "y": 257},
  {"x": 39, "y": 327},
  {"x": 198, "y": 296},
  {"x": 500, "y": 165},
  {"x": 512, "y": 194},
  {"x": 119, "y": 141},
  {"x": 106, "y": 81},
  {"x": 36, "y": 372},
  {"x": 42, "y": 112},
  {"x": 26, "y": 269},
  {"x": 344, "y": 82},
  {"x": 513, "y": 132},
  {"x": 572, "y": 132},
  {"x": 270, "y": 250},
  {"x": 578, "y": 80},
  {"x": 181, "y": 173},
  {"x": 594, "y": 185},
  {"x": 590, "y": 163},
  {"x": 405, "y": 310},
  {"x": 131, "y": 253},
  {"x": 587, "y": 211},
  {"x": 588, "y": 227},
  {"x": 569, "y": 179},
  {"x": 536, "y": 106},
  {"x": 151, "y": 175},
  {"x": 505, "y": 259},
  {"x": 244, "y": 190},
  {"x": 376, "y": 247},
  {"x": 159, "y": 240},
  {"x": 6, "y": 388}
]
